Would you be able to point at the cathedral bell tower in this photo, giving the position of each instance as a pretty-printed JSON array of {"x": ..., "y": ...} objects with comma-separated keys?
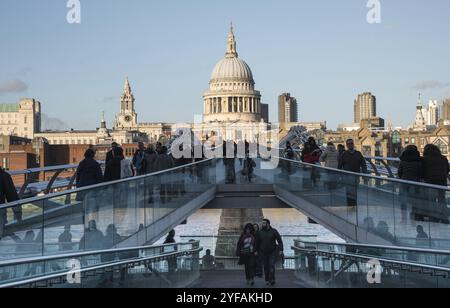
[{"x": 127, "y": 118}]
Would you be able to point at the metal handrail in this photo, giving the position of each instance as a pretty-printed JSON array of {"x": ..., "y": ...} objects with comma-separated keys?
[
  {"x": 101, "y": 185},
  {"x": 408, "y": 249},
  {"x": 85, "y": 253},
  {"x": 368, "y": 176},
  {"x": 98, "y": 268},
  {"x": 355, "y": 256}
]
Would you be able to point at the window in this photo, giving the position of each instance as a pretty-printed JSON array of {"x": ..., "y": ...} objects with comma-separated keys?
[
  {"x": 406, "y": 140},
  {"x": 413, "y": 140},
  {"x": 25, "y": 120},
  {"x": 442, "y": 146},
  {"x": 5, "y": 163}
]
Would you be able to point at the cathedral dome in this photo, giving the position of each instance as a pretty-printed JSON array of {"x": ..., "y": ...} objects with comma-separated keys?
[{"x": 232, "y": 68}]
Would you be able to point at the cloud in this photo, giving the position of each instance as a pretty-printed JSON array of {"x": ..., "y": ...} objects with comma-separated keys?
[
  {"x": 13, "y": 86},
  {"x": 53, "y": 124},
  {"x": 108, "y": 99},
  {"x": 430, "y": 84}
]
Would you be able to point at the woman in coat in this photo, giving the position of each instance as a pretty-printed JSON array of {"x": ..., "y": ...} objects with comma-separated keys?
[
  {"x": 245, "y": 250},
  {"x": 435, "y": 172},
  {"x": 411, "y": 169}
]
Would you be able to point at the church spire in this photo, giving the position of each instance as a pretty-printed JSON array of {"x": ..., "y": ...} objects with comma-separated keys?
[
  {"x": 127, "y": 87},
  {"x": 231, "y": 45}
]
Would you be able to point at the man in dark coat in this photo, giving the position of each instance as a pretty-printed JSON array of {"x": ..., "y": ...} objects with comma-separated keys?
[
  {"x": 435, "y": 172},
  {"x": 269, "y": 246},
  {"x": 89, "y": 171},
  {"x": 8, "y": 194},
  {"x": 410, "y": 169},
  {"x": 352, "y": 161},
  {"x": 110, "y": 154},
  {"x": 138, "y": 159}
]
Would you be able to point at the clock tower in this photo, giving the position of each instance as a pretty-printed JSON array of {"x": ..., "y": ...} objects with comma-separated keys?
[{"x": 127, "y": 118}]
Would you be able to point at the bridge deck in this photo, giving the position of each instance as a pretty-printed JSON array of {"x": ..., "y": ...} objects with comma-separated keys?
[{"x": 236, "y": 279}]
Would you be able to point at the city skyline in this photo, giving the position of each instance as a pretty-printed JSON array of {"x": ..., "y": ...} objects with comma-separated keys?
[{"x": 69, "y": 67}]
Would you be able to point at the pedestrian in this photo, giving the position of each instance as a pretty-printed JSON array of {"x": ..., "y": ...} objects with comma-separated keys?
[
  {"x": 311, "y": 154},
  {"x": 249, "y": 167},
  {"x": 172, "y": 262},
  {"x": 330, "y": 157},
  {"x": 435, "y": 172},
  {"x": 352, "y": 161},
  {"x": 245, "y": 250},
  {"x": 149, "y": 163},
  {"x": 113, "y": 167},
  {"x": 164, "y": 162},
  {"x": 138, "y": 159},
  {"x": 208, "y": 261},
  {"x": 110, "y": 154},
  {"x": 89, "y": 171},
  {"x": 268, "y": 244},
  {"x": 410, "y": 169},
  {"x": 258, "y": 260},
  {"x": 65, "y": 239},
  {"x": 8, "y": 194}
]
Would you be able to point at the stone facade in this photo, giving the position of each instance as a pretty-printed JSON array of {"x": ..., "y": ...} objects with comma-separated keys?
[{"x": 22, "y": 119}]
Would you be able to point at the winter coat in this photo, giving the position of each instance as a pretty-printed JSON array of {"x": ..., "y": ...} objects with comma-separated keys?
[
  {"x": 89, "y": 173},
  {"x": 353, "y": 162},
  {"x": 149, "y": 163},
  {"x": 113, "y": 170},
  {"x": 246, "y": 247},
  {"x": 8, "y": 192},
  {"x": 330, "y": 157},
  {"x": 411, "y": 166},
  {"x": 435, "y": 170},
  {"x": 268, "y": 241},
  {"x": 311, "y": 153},
  {"x": 138, "y": 159},
  {"x": 126, "y": 169},
  {"x": 164, "y": 162}
]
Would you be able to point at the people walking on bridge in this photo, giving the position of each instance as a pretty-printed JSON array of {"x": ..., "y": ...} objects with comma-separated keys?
[
  {"x": 268, "y": 245},
  {"x": 245, "y": 250},
  {"x": 258, "y": 260},
  {"x": 65, "y": 239},
  {"x": 352, "y": 161},
  {"x": 150, "y": 157},
  {"x": 110, "y": 154},
  {"x": 249, "y": 168},
  {"x": 311, "y": 154},
  {"x": 208, "y": 261},
  {"x": 172, "y": 262},
  {"x": 164, "y": 162},
  {"x": 435, "y": 172},
  {"x": 410, "y": 169},
  {"x": 92, "y": 238},
  {"x": 330, "y": 159},
  {"x": 113, "y": 166},
  {"x": 138, "y": 159},
  {"x": 229, "y": 160},
  {"x": 149, "y": 165},
  {"x": 8, "y": 194},
  {"x": 88, "y": 173}
]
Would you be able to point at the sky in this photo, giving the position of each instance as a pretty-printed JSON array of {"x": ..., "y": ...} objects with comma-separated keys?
[{"x": 324, "y": 52}]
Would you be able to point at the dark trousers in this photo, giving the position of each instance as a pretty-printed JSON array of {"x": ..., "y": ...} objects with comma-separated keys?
[
  {"x": 269, "y": 261},
  {"x": 258, "y": 266},
  {"x": 352, "y": 195},
  {"x": 249, "y": 263}
]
